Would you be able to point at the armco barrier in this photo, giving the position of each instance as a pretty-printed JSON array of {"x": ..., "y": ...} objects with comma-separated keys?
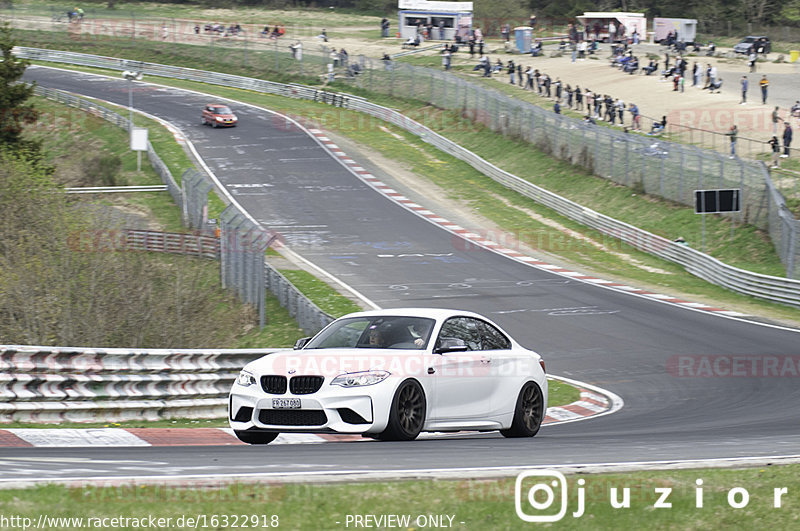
[
  {"x": 775, "y": 289},
  {"x": 51, "y": 384}
]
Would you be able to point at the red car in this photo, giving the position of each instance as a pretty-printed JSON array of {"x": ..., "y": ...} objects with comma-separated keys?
[{"x": 217, "y": 115}]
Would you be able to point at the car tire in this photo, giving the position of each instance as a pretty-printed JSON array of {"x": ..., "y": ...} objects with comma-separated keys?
[
  {"x": 407, "y": 414},
  {"x": 203, "y": 122},
  {"x": 214, "y": 124},
  {"x": 256, "y": 437},
  {"x": 528, "y": 412}
]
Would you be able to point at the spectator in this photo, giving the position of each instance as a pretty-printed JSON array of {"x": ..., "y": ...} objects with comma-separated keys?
[
  {"x": 323, "y": 35},
  {"x": 512, "y": 71},
  {"x": 775, "y": 146},
  {"x": 582, "y": 50},
  {"x": 659, "y": 127},
  {"x": 536, "y": 49},
  {"x": 732, "y": 132},
  {"x": 578, "y": 99},
  {"x": 519, "y": 75},
  {"x": 751, "y": 60},
  {"x": 634, "y": 110},
  {"x": 297, "y": 50},
  {"x": 441, "y": 29},
  {"x": 775, "y": 120},
  {"x": 743, "y": 82},
  {"x": 795, "y": 110},
  {"x": 681, "y": 241},
  {"x": 764, "y": 84},
  {"x": 557, "y": 107},
  {"x": 446, "y": 59},
  {"x": 505, "y": 32},
  {"x": 787, "y": 139},
  {"x": 384, "y": 27}
]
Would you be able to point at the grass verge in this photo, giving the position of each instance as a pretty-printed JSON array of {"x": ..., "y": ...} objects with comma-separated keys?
[{"x": 464, "y": 504}]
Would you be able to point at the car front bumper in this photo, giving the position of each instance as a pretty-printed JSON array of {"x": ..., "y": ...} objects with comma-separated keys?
[{"x": 332, "y": 409}]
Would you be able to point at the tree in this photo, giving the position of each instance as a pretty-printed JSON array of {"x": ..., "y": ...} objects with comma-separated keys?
[{"x": 15, "y": 110}]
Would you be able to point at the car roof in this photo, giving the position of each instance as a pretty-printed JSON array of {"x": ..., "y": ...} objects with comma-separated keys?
[{"x": 431, "y": 313}]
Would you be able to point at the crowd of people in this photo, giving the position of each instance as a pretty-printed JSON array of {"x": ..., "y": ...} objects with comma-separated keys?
[
  {"x": 595, "y": 105},
  {"x": 212, "y": 28}
]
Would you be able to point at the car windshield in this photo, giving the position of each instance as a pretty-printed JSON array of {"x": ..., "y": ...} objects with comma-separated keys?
[
  {"x": 384, "y": 331},
  {"x": 748, "y": 39},
  {"x": 222, "y": 110}
]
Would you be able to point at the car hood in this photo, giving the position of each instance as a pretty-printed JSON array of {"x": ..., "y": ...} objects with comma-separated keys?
[
  {"x": 226, "y": 116},
  {"x": 333, "y": 362}
]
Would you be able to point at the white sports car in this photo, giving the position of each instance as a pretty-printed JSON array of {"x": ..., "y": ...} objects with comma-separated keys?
[{"x": 390, "y": 374}]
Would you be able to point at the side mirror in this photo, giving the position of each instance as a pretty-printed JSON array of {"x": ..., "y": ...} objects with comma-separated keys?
[
  {"x": 301, "y": 342},
  {"x": 450, "y": 344}
]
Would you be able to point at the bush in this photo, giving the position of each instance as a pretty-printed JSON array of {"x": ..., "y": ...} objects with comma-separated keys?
[{"x": 103, "y": 170}]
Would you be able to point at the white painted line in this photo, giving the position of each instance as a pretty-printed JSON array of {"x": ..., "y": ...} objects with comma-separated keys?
[{"x": 89, "y": 437}]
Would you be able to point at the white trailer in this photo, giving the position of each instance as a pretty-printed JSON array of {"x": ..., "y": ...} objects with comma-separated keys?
[{"x": 684, "y": 28}]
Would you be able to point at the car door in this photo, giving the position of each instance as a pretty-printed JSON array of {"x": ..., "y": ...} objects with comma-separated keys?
[
  {"x": 507, "y": 367},
  {"x": 464, "y": 383}
]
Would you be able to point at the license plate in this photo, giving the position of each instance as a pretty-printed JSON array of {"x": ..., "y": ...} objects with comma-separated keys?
[{"x": 286, "y": 403}]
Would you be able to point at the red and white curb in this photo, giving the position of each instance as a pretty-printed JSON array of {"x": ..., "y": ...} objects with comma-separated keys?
[
  {"x": 490, "y": 245},
  {"x": 592, "y": 403}
]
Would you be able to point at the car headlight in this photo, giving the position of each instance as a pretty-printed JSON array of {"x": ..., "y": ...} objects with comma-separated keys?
[
  {"x": 360, "y": 379},
  {"x": 246, "y": 379},
  {"x": 220, "y": 118}
]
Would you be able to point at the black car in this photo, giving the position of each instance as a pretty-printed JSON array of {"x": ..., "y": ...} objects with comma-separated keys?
[{"x": 754, "y": 43}]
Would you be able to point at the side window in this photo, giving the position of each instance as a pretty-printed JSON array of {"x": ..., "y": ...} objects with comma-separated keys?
[
  {"x": 492, "y": 338},
  {"x": 462, "y": 328}
]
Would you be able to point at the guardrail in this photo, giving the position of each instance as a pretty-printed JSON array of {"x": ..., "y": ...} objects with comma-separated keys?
[
  {"x": 775, "y": 289},
  {"x": 51, "y": 384},
  {"x": 172, "y": 242}
]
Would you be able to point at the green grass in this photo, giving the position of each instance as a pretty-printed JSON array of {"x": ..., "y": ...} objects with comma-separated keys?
[
  {"x": 472, "y": 504},
  {"x": 560, "y": 393},
  {"x": 144, "y": 12},
  {"x": 320, "y": 293}
]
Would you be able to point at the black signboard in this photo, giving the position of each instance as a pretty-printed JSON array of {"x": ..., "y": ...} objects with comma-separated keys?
[{"x": 716, "y": 201}]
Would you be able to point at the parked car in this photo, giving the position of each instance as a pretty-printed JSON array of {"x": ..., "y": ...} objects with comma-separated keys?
[
  {"x": 391, "y": 374},
  {"x": 757, "y": 43},
  {"x": 218, "y": 115}
]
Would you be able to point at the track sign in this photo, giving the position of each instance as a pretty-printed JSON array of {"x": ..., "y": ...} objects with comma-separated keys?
[
  {"x": 717, "y": 201},
  {"x": 139, "y": 139}
]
